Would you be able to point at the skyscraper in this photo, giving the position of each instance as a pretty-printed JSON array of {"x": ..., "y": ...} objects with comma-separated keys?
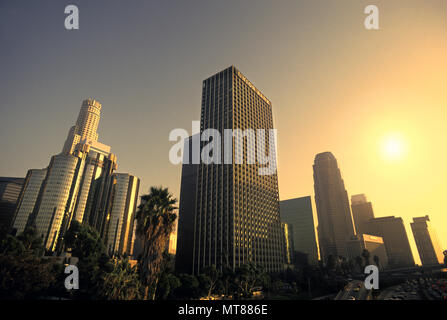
[
  {"x": 427, "y": 242},
  {"x": 80, "y": 184},
  {"x": 96, "y": 178},
  {"x": 86, "y": 126},
  {"x": 10, "y": 189},
  {"x": 55, "y": 204},
  {"x": 237, "y": 217},
  {"x": 392, "y": 230},
  {"x": 297, "y": 213},
  {"x": 28, "y": 197},
  {"x": 120, "y": 218},
  {"x": 362, "y": 212},
  {"x": 335, "y": 226},
  {"x": 187, "y": 205},
  {"x": 287, "y": 237}
]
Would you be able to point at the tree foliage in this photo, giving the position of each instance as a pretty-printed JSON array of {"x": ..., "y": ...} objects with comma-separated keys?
[
  {"x": 155, "y": 222},
  {"x": 122, "y": 283}
]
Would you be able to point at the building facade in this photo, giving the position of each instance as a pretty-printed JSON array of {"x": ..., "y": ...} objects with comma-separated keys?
[
  {"x": 27, "y": 199},
  {"x": 362, "y": 212},
  {"x": 96, "y": 179},
  {"x": 10, "y": 189},
  {"x": 237, "y": 218},
  {"x": 335, "y": 225},
  {"x": 375, "y": 246},
  {"x": 55, "y": 204},
  {"x": 86, "y": 126},
  {"x": 186, "y": 217},
  {"x": 80, "y": 184},
  {"x": 427, "y": 242},
  {"x": 297, "y": 213},
  {"x": 288, "y": 249},
  {"x": 119, "y": 228},
  {"x": 392, "y": 230}
]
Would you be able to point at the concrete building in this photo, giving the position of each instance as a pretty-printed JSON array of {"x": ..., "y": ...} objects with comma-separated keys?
[
  {"x": 120, "y": 220},
  {"x": 237, "y": 217},
  {"x": 374, "y": 245},
  {"x": 10, "y": 189},
  {"x": 27, "y": 198},
  {"x": 392, "y": 230},
  {"x": 427, "y": 242},
  {"x": 335, "y": 226},
  {"x": 362, "y": 212},
  {"x": 297, "y": 213}
]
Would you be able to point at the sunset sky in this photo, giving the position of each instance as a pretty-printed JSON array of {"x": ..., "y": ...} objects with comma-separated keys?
[{"x": 376, "y": 99}]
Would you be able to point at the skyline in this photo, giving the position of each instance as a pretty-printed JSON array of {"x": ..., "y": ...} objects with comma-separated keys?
[{"x": 307, "y": 123}]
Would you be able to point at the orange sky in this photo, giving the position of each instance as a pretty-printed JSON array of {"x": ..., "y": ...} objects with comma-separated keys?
[
  {"x": 334, "y": 87},
  {"x": 394, "y": 83}
]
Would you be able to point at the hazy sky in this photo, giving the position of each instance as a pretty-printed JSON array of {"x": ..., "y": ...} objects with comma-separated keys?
[{"x": 334, "y": 87}]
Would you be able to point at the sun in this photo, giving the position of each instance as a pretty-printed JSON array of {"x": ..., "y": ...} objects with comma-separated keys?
[{"x": 394, "y": 147}]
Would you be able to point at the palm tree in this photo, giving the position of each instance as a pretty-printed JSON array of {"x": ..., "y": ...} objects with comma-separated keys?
[
  {"x": 122, "y": 283},
  {"x": 366, "y": 255},
  {"x": 155, "y": 222}
]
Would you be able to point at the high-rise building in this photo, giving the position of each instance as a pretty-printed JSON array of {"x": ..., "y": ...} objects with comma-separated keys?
[
  {"x": 80, "y": 184},
  {"x": 86, "y": 126},
  {"x": 427, "y": 241},
  {"x": 93, "y": 194},
  {"x": 119, "y": 228},
  {"x": 287, "y": 237},
  {"x": 392, "y": 230},
  {"x": 187, "y": 205},
  {"x": 237, "y": 218},
  {"x": 10, "y": 189},
  {"x": 374, "y": 245},
  {"x": 297, "y": 213},
  {"x": 55, "y": 204},
  {"x": 27, "y": 199},
  {"x": 335, "y": 226},
  {"x": 362, "y": 212}
]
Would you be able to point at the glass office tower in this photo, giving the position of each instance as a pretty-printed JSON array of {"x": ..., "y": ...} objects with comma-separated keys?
[
  {"x": 394, "y": 235},
  {"x": 362, "y": 212},
  {"x": 297, "y": 213},
  {"x": 427, "y": 241},
  {"x": 120, "y": 219},
  {"x": 237, "y": 217},
  {"x": 28, "y": 198},
  {"x": 57, "y": 197},
  {"x": 335, "y": 226}
]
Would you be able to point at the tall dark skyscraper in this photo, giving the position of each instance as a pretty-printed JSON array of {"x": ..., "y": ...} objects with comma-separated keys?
[
  {"x": 362, "y": 212},
  {"x": 393, "y": 232},
  {"x": 427, "y": 241},
  {"x": 297, "y": 213},
  {"x": 237, "y": 210},
  {"x": 187, "y": 205},
  {"x": 335, "y": 226}
]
